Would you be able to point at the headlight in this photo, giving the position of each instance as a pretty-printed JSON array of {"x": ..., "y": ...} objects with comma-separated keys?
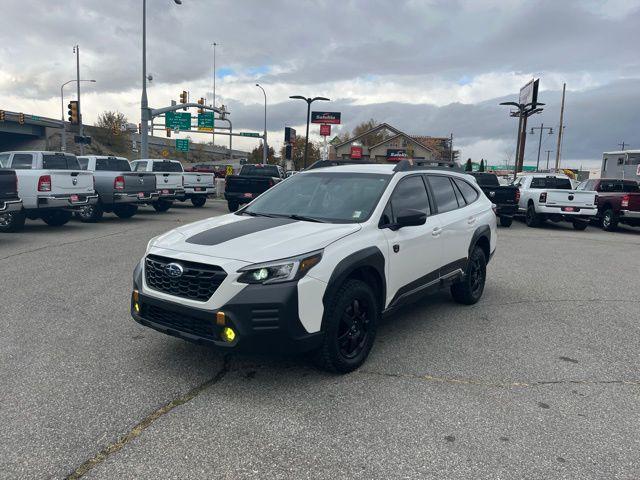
[
  {"x": 151, "y": 242},
  {"x": 285, "y": 270}
]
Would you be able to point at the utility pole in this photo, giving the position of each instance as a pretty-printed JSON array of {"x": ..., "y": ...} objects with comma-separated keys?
[
  {"x": 561, "y": 127},
  {"x": 541, "y": 128},
  {"x": 213, "y": 132},
  {"x": 451, "y": 148},
  {"x": 76, "y": 49},
  {"x": 548, "y": 153},
  {"x": 622, "y": 145}
]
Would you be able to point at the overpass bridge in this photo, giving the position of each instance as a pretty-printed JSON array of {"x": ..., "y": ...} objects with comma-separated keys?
[{"x": 33, "y": 132}]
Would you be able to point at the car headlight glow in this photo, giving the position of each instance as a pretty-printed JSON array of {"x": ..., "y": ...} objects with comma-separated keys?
[{"x": 278, "y": 271}]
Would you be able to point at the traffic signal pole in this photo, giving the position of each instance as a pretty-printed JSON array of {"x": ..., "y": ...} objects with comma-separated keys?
[{"x": 81, "y": 131}]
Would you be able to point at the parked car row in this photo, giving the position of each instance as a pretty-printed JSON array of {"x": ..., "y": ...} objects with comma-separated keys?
[
  {"x": 53, "y": 186},
  {"x": 541, "y": 196}
]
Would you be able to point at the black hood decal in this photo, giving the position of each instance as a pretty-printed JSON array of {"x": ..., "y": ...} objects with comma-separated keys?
[{"x": 227, "y": 232}]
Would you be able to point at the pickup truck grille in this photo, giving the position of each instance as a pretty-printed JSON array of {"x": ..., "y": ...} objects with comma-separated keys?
[{"x": 197, "y": 282}]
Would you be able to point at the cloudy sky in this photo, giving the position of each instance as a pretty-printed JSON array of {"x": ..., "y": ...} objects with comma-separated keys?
[{"x": 427, "y": 67}]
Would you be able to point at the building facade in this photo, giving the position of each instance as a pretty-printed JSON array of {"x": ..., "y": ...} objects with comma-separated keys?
[{"x": 622, "y": 164}]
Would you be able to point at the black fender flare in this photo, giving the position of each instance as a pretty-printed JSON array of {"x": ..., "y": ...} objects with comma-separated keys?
[
  {"x": 370, "y": 257},
  {"x": 483, "y": 231}
]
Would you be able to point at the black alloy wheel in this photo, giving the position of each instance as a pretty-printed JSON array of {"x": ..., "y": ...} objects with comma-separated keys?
[{"x": 354, "y": 329}]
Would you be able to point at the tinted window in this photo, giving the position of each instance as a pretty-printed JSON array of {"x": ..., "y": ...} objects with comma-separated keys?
[
  {"x": 140, "y": 167},
  {"x": 633, "y": 159},
  {"x": 487, "y": 179},
  {"x": 469, "y": 193},
  {"x": 410, "y": 194},
  {"x": 167, "y": 167},
  {"x": 631, "y": 187},
  {"x": 556, "y": 183},
  {"x": 582, "y": 186},
  {"x": 84, "y": 163},
  {"x": 259, "y": 171},
  {"x": 4, "y": 159},
  {"x": 112, "y": 165},
  {"x": 443, "y": 193},
  {"x": 60, "y": 162},
  {"x": 611, "y": 186},
  {"x": 22, "y": 161}
]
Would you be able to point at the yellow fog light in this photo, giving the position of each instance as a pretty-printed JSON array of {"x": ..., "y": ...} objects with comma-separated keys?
[
  {"x": 136, "y": 305},
  {"x": 228, "y": 335},
  {"x": 220, "y": 319}
]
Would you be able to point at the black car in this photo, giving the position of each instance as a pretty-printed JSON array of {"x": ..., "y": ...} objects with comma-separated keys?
[{"x": 504, "y": 197}]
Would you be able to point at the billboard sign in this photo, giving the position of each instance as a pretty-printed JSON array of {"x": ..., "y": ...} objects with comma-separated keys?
[
  {"x": 325, "y": 130},
  {"x": 332, "y": 118},
  {"x": 356, "y": 152},
  {"x": 529, "y": 93},
  {"x": 205, "y": 122},
  {"x": 396, "y": 154}
]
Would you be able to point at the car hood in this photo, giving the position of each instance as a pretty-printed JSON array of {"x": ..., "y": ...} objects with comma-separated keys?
[{"x": 253, "y": 239}]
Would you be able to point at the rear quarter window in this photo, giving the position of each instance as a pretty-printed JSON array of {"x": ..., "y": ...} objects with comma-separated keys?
[
  {"x": 469, "y": 193},
  {"x": 443, "y": 193}
]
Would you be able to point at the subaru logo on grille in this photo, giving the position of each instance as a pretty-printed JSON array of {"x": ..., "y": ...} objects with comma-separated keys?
[{"x": 174, "y": 270}]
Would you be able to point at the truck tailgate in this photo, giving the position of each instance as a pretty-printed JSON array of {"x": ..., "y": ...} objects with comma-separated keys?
[
  {"x": 168, "y": 180},
  {"x": 70, "y": 181},
  {"x": 502, "y": 194},
  {"x": 571, "y": 198},
  {"x": 8, "y": 184},
  {"x": 240, "y": 184},
  {"x": 634, "y": 202},
  {"x": 196, "y": 179},
  {"x": 136, "y": 182}
]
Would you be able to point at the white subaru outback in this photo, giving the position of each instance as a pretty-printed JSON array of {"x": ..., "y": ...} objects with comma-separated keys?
[{"x": 314, "y": 262}]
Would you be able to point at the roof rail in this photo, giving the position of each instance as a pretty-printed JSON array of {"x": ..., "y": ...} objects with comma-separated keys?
[
  {"x": 335, "y": 163},
  {"x": 413, "y": 164}
]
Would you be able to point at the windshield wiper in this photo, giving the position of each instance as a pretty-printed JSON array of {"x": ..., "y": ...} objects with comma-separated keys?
[
  {"x": 254, "y": 214},
  {"x": 305, "y": 218}
]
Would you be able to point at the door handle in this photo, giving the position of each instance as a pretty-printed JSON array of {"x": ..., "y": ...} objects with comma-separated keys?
[
  {"x": 436, "y": 231},
  {"x": 471, "y": 220}
]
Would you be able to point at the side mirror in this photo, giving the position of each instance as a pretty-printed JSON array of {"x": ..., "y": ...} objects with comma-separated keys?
[{"x": 410, "y": 218}]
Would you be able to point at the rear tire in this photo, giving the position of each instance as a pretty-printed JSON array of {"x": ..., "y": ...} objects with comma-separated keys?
[
  {"x": 199, "y": 202},
  {"x": 349, "y": 325},
  {"x": 12, "y": 222},
  {"x": 161, "y": 205},
  {"x": 532, "y": 219},
  {"x": 56, "y": 218},
  {"x": 469, "y": 290},
  {"x": 580, "y": 225},
  {"x": 233, "y": 206},
  {"x": 609, "y": 221},
  {"x": 125, "y": 211},
  {"x": 506, "y": 221},
  {"x": 90, "y": 213}
]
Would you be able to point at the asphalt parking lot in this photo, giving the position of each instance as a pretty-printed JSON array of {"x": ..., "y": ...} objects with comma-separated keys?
[{"x": 539, "y": 380}]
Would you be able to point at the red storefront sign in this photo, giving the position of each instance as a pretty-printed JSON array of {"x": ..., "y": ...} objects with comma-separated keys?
[
  {"x": 356, "y": 152},
  {"x": 325, "y": 130}
]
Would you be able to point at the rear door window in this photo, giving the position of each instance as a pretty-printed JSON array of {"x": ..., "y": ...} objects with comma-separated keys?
[
  {"x": 60, "y": 162},
  {"x": 443, "y": 193},
  {"x": 469, "y": 193},
  {"x": 22, "y": 161}
]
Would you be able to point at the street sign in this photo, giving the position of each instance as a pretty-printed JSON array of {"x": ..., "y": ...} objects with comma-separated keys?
[
  {"x": 205, "y": 122},
  {"x": 396, "y": 154},
  {"x": 229, "y": 170},
  {"x": 356, "y": 152},
  {"x": 325, "y": 130},
  {"x": 181, "y": 120},
  {"x": 326, "y": 117},
  {"x": 250, "y": 134},
  {"x": 182, "y": 144},
  {"x": 165, "y": 153}
]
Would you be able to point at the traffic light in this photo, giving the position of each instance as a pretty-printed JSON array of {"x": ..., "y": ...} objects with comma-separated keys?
[
  {"x": 168, "y": 133},
  {"x": 21, "y": 118},
  {"x": 2, "y": 116},
  {"x": 73, "y": 112},
  {"x": 183, "y": 98},
  {"x": 140, "y": 128},
  {"x": 201, "y": 102}
]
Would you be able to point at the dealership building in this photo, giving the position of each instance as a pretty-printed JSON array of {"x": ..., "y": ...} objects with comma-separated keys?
[{"x": 384, "y": 143}]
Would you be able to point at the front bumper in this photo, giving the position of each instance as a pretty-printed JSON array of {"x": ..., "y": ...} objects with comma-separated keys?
[
  {"x": 10, "y": 206},
  {"x": 560, "y": 210},
  {"x": 66, "y": 201},
  {"x": 264, "y": 317},
  {"x": 630, "y": 213},
  {"x": 120, "y": 198}
]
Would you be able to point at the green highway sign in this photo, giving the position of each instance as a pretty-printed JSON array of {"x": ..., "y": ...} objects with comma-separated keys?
[
  {"x": 182, "y": 144},
  {"x": 181, "y": 120},
  {"x": 205, "y": 122},
  {"x": 250, "y": 134}
]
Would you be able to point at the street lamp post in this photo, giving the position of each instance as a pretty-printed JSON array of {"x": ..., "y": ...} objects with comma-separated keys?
[
  {"x": 524, "y": 111},
  {"x": 144, "y": 103},
  {"x": 309, "y": 102},
  {"x": 63, "y": 140},
  {"x": 265, "y": 148},
  {"x": 541, "y": 128}
]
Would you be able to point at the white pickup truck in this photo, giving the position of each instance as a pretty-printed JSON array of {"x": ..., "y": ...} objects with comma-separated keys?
[
  {"x": 197, "y": 187},
  {"x": 546, "y": 196},
  {"x": 168, "y": 180},
  {"x": 51, "y": 185}
]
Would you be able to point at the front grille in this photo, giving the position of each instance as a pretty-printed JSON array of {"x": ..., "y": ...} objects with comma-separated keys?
[
  {"x": 179, "y": 322},
  {"x": 197, "y": 282}
]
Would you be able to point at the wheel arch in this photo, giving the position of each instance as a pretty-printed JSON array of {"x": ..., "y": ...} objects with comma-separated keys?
[{"x": 481, "y": 238}]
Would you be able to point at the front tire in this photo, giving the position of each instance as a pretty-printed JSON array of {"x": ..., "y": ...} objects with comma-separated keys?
[
  {"x": 125, "y": 211},
  {"x": 12, "y": 222},
  {"x": 609, "y": 221},
  {"x": 532, "y": 219},
  {"x": 56, "y": 218},
  {"x": 90, "y": 213},
  {"x": 161, "y": 205},
  {"x": 350, "y": 322},
  {"x": 506, "y": 221},
  {"x": 469, "y": 290},
  {"x": 199, "y": 202}
]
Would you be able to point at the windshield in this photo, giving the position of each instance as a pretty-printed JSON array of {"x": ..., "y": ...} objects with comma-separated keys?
[
  {"x": 259, "y": 171},
  {"x": 331, "y": 197}
]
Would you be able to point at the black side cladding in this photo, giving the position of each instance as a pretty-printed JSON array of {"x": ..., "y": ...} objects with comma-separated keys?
[{"x": 227, "y": 232}]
